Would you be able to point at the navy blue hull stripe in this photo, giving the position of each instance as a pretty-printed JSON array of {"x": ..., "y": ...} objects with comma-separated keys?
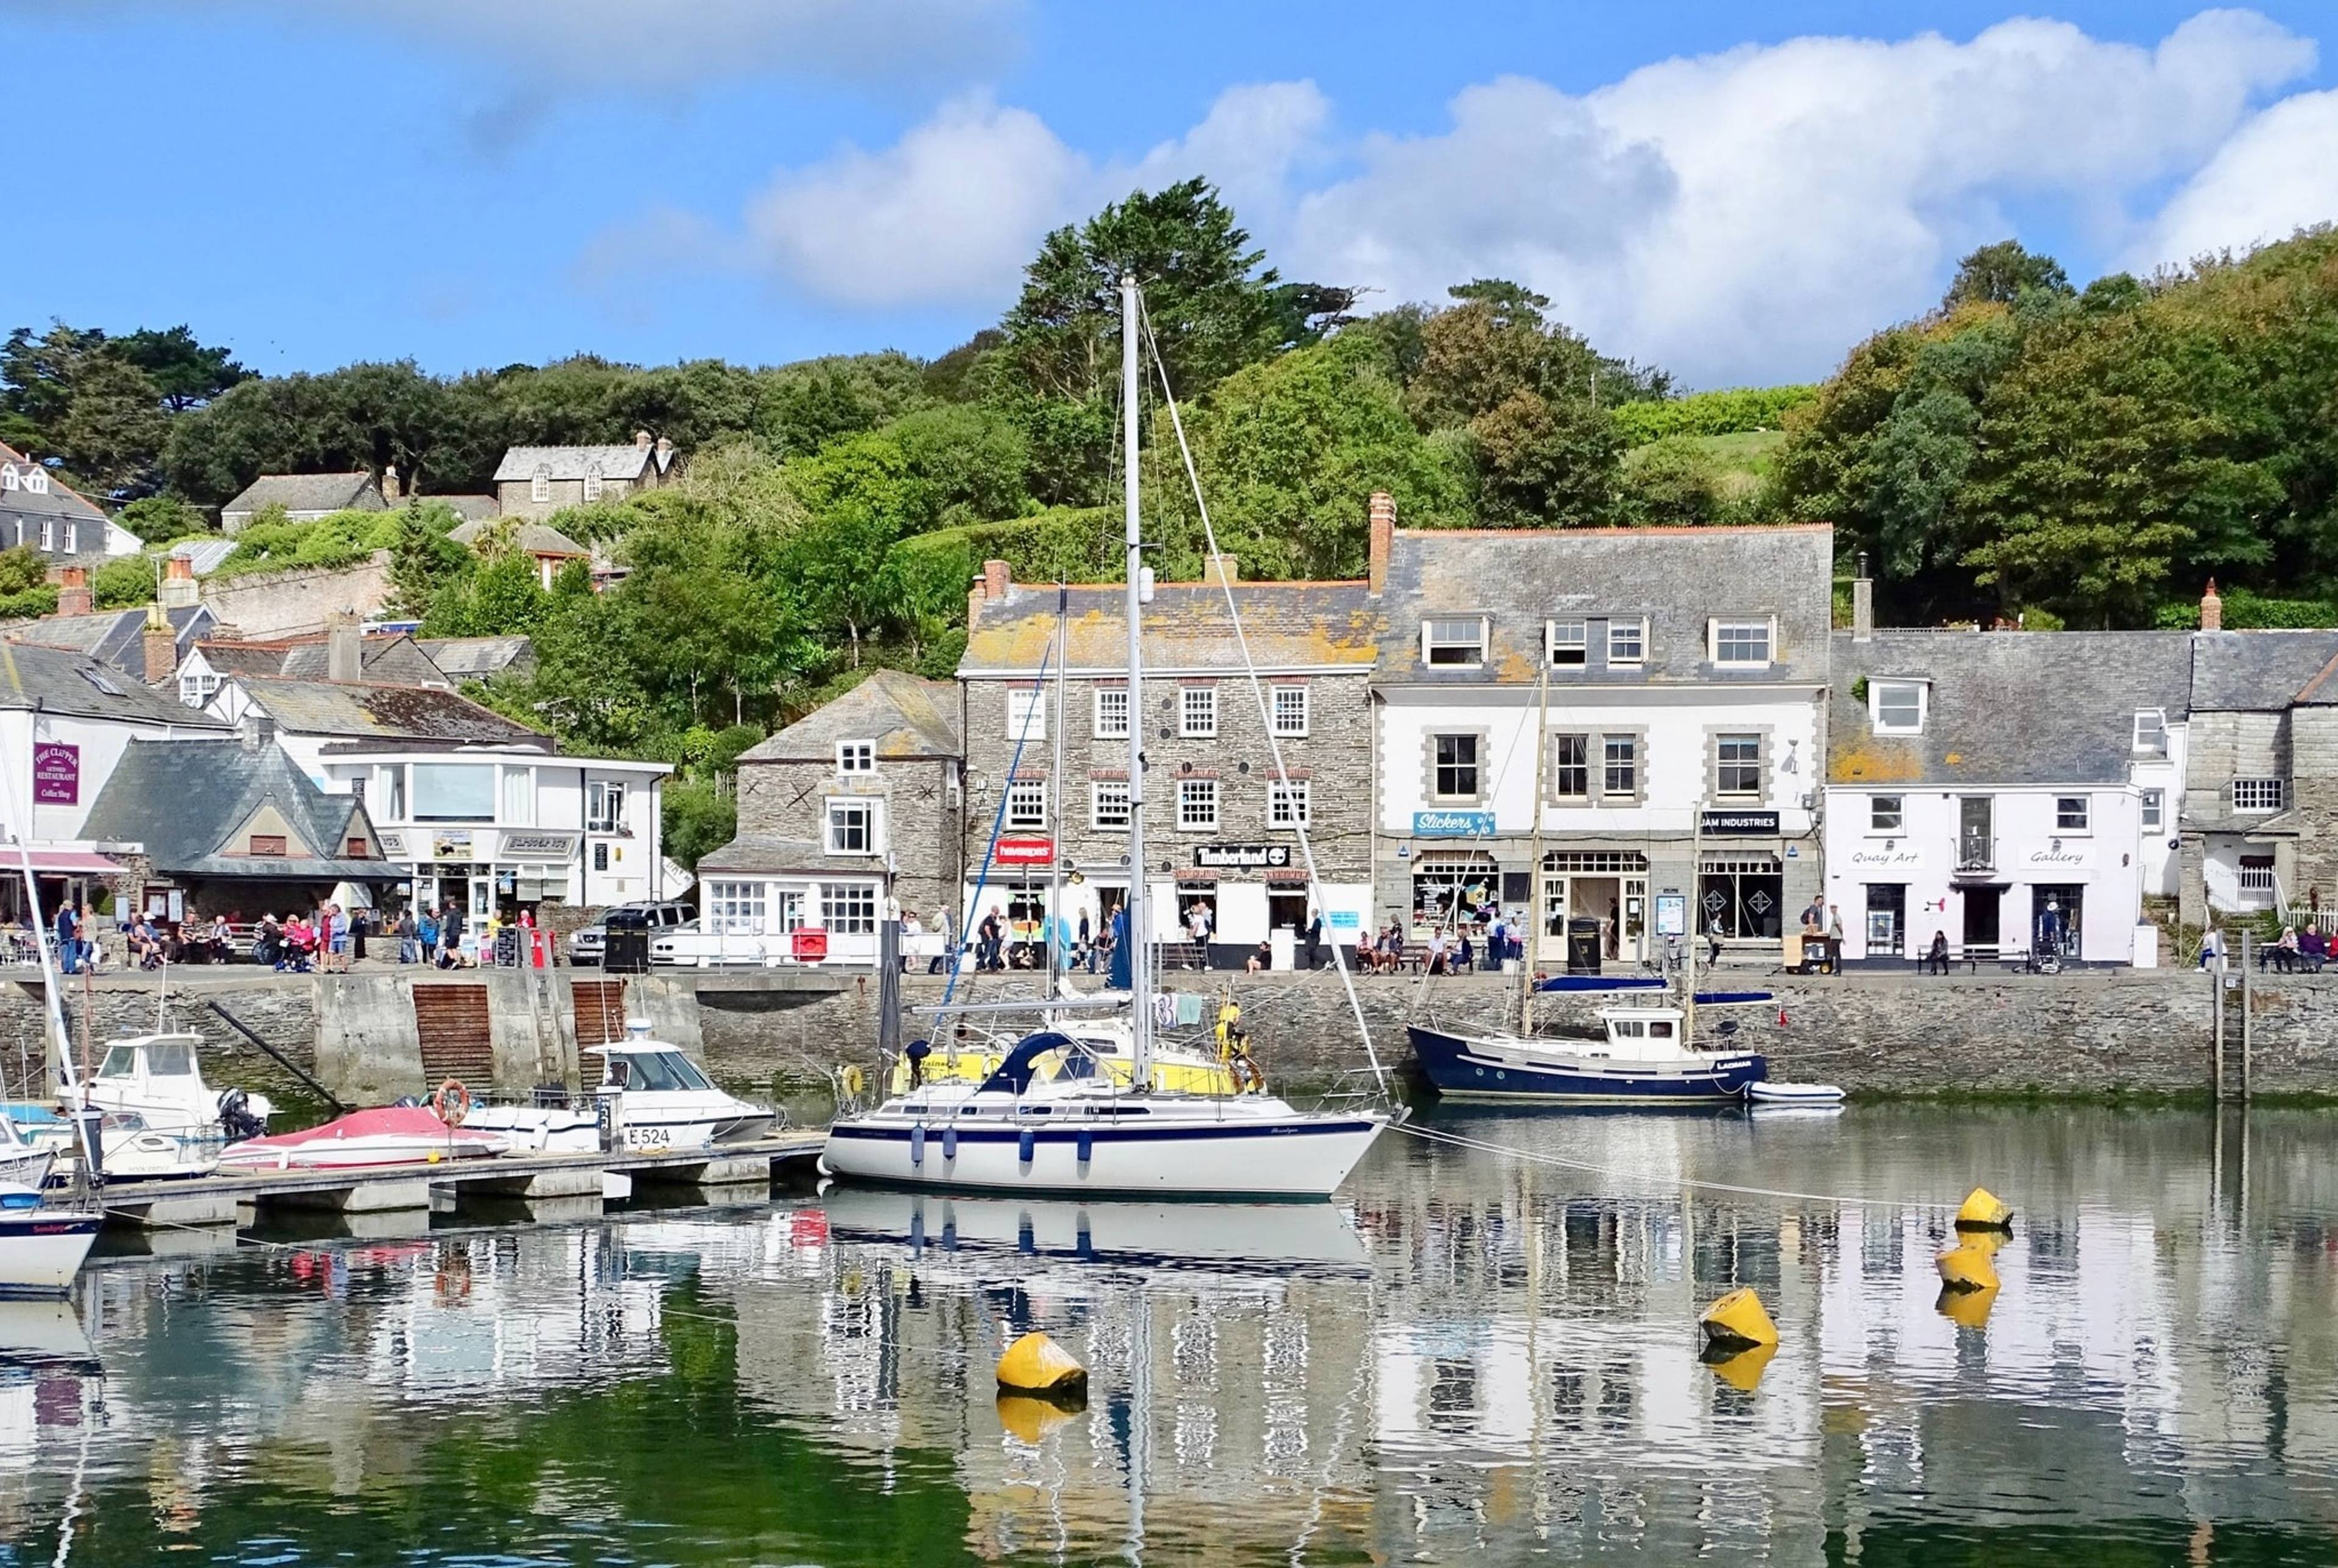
[{"x": 1103, "y": 1136}]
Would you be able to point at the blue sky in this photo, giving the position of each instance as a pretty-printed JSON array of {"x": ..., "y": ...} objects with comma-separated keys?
[{"x": 1739, "y": 193}]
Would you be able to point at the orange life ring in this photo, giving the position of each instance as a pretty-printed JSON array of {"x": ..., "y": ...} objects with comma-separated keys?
[{"x": 453, "y": 1103}]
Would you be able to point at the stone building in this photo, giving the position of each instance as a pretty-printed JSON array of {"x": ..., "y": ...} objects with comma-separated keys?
[
  {"x": 304, "y": 498},
  {"x": 39, "y": 511},
  {"x": 1992, "y": 785},
  {"x": 1221, "y": 824},
  {"x": 856, "y": 801},
  {"x": 1677, "y": 671},
  {"x": 535, "y": 482}
]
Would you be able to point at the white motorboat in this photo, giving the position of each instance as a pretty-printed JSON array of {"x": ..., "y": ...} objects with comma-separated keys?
[
  {"x": 41, "y": 1247},
  {"x": 157, "y": 1079},
  {"x": 393, "y": 1135},
  {"x": 1055, "y": 1116},
  {"x": 657, "y": 1098},
  {"x": 1806, "y": 1095}
]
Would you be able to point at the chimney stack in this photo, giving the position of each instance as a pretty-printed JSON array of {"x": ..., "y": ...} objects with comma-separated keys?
[
  {"x": 1222, "y": 568},
  {"x": 1862, "y": 603},
  {"x": 180, "y": 589},
  {"x": 74, "y": 597},
  {"x": 997, "y": 577},
  {"x": 393, "y": 489},
  {"x": 344, "y": 650},
  {"x": 158, "y": 646},
  {"x": 1383, "y": 541},
  {"x": 2212, "y": 608},
  {"x": 257, "y": 730},
  {"x": 665, "y": 453},
  {"x": 641, "y": 439}
]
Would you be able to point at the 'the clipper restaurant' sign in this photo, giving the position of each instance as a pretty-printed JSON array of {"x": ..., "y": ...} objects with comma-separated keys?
[
  {"x": 1727, "y": 824},
  {"x": 1242, "y": 857}
]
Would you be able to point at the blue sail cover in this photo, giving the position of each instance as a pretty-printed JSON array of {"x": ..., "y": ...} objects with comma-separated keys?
[
  {"x": 1120, "y": 978},
  {"x": 1599, "y": 985},
  {"x": 1014, "y": 1075}
]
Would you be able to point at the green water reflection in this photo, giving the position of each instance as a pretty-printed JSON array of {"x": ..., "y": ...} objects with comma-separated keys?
[{"x": 1467, "y": 1354}]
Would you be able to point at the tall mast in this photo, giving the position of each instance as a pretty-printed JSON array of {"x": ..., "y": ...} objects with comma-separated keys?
[
  {"x": 1696, "y": 916},
  {"x": 1049, "y": 929},
  {"x": 1140, "y": 900},
  {"x": 1535, "y": 896}
]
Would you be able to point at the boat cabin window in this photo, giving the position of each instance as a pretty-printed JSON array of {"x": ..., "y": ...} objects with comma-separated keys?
[
  {"x": 170, "y": 1058},
  {"x": 1630, "y": 1029},
  {"x": 1660, "y": 1028},
  {"x": 121, "y": 1062},
  {"x": 656, "y": 1072}
]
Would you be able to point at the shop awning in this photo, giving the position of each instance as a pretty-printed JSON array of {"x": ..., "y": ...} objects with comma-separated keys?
[{"x": 60, "y": 862}]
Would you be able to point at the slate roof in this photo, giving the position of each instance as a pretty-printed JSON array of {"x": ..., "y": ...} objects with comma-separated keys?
[
  {"x": 1678, "y": 578},
  {"x": 182, "y": 798},
  {"x": 2258, "y": 671},
  {"x": 907, "y": 718},
  {"x": 396, "y": 659},
  {"x": 2005, "y": 707},
  {"x": 60, "y": 500},
  {"x": 377, "y": 710},
  {"x": 478, "y": 657},
  {"x": 59, "y": 680},
  {"x": 307, "y": 493},
  {"x": 533, "y": 538},
  {"x": 471, "y": 508},
  {"x": 765, "y": 854},
  {"x": 1289, "y": 626},
  {"x": 625, "y": 462},
  {"x": 116, "y": 637}
]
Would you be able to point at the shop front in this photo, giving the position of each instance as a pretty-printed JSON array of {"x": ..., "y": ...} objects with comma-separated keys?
[{"x": 487, "y": 871}]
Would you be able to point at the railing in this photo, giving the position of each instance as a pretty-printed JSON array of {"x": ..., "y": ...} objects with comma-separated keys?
[{"x": 1976, "y": 853}]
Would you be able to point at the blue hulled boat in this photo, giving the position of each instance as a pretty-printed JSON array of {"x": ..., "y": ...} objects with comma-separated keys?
[{"x": 1637, "y": 1055}]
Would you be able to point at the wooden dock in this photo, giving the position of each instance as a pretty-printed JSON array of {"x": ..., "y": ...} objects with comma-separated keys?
[{"x": 570, "y": 1182}]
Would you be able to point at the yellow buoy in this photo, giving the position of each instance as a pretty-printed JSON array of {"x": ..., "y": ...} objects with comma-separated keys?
[
  {"x": 1983, "y": 1211},
  {"x": 1742, "y": 1370},
  {"x": 1966, "y": 1308},
  {"x": 1738, "y": 1319},
  {"x": 1035, "y": 1364},
  {"x": 1030, "y": 1417},
  {"x": 1965, "y": 1267}
]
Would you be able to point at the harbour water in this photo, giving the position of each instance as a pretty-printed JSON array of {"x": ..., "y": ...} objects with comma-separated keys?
[{"x": 1467, "y": 1354}]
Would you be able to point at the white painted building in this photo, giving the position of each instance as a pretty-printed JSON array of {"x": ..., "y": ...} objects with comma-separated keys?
[
  {"x": 1997, "y": 788},
  {"x": 1674, "y": 675}
]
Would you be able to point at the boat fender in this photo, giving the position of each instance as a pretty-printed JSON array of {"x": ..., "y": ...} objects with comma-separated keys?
[
  {"x": 1036, "y": 1363},
  {"x": 452, "y": 1103},
  {"x": 917, "y": 1144},
  {"x": 1983, "y": 1211},
  {"x": 1736, "y": 1322},
  {"x": 853, "y": 1079},
  {"x": 949, "y": 1144},
  {"x": 1086, "y": 1146},
  {"x": 1027, "y": 1146},
  {"x": 1966, "y": 1267}
]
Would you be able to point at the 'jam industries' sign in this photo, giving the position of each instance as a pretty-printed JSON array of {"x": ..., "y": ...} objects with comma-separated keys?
[
  {"x": 1729, "y": 823},
  {"x": 56, "y": 774}
]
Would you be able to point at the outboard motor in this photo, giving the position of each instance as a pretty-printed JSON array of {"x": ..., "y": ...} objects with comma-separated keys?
[{"x": 236, "y": 1121}]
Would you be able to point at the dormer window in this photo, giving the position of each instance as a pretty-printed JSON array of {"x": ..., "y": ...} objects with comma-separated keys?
[
  {"x": 1628, "y": 641},
  {"x": 2151, "y": 730},
  {"x": 1741, "y": 644},
  {"x": 1897, "y": 707},
  {"x": 1455, "y": 642},
  {"x": 856, "y": 757},
  {"x": 1570, "y": 644},
  {"x": 592, "y": 481},
  {"x": 539, "y": 488}
]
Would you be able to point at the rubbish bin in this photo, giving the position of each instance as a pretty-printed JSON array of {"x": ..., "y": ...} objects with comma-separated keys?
[
  {"x": 1583, "y": 945},
  {"x": 625, "y": 949}
]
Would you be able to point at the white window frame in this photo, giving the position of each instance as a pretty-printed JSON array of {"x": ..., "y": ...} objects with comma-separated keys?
[
  {"x": 1887, "y": 821},
  {"x": 198, "y": 688},
  {"x": 1111, "y": 726},
  {"x": 1576, "y": 640},
  {"x": 1875, "y": 688},
  {"x": 1292, "y": 708},
  {"x": 1718, "y": 631},
  {"x": 1197, "y": 713},
  {"x": 1475, "y": 765},
  {"x": 2265, "y": 795},
  {"x": 2154, "y": 810},
  {"x": 1443, "y": 632},
  {"x": 1721, "y": 765},
  {"x": 872, "y": 827},
  {"x": 856, "y": 757},
  {"x": 1193, "y": 796},
  {"x": 2151, "y": 722},
  {"x": 2073, "y": 814},
  {"x": 1108, "y": 806},
  {"x": 516, "y": 798},
  {"x": 735, "y": 907},
  {"x": 849, "y": 908},
  {"x": 592, "y": 481},
  {"x": 1027, "y": 804},
  {"x": 48, "y": 533},
  {"x": 73, "y": 538},
  {"x": 605, "y": 806},
  {"x": 1283, "y": 796},
  {"x": 1025, "y": 706},
  {"x": 539, "y": 484},
  {"x": 1628, "y": 765},
  {"x": 1632, "y": 630},
  {"x": 1582, "y": 766}
]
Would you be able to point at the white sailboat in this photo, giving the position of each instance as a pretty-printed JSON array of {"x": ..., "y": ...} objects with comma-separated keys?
[{"x": 1055, "y": 1116}]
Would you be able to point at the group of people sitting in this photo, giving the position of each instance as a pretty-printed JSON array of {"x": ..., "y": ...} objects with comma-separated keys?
[
  {"x": 153, "y": 942},
  {"x": 2298, "y": 952},
  {"x": 299, "y": 943}
]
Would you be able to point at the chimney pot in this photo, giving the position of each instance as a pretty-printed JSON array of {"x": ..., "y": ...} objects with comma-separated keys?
[
  {"x": 1383, "y": 538},
  {"x": 180, "y": 589},
  {"x": 641, "y": 439},
  {"x": 2212, "y": 608}
]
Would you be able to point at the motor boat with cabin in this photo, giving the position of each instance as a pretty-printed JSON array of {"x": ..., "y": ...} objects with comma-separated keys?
[
  {"x": 24, "y": 1161},
  {"x": 1054, "y": 1116},
  {"x": 157, "y": 1079},
  {"x": 1053, "y": 1119},
  {"x": 392, "y": 1135},
  {"x": 656, "y": 1096},
  {"x": 41, "y": 1247},
  {"x": 1635, "y": 1055}
]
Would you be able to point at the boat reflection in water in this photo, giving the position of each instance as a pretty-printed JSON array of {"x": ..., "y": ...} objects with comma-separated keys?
[{"x": 1315, "y": 1236}]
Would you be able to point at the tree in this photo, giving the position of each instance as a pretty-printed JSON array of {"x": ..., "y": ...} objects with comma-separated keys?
[
  {"x": 2001, "y": 273},
  {"x": 127, "y": 581},
  {"x": 112, "y": 431},
  {"x": 158, "y": 519},
  {"x": 186, "y": 374}
]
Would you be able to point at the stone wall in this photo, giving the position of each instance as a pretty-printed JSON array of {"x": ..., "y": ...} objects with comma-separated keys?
[{"x": 287, "y": 603}]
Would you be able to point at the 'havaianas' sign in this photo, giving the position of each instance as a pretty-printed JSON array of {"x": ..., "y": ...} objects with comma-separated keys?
[{"x": 1453, "y": 824}]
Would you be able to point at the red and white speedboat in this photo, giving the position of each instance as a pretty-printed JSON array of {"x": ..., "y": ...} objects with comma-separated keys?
[{"x": 394, "y": 1135}]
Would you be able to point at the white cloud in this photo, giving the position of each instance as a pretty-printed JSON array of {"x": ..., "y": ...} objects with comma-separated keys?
[
  {"x": 1738, "y": 216},
  {"x": 2277, "y": 174}
]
